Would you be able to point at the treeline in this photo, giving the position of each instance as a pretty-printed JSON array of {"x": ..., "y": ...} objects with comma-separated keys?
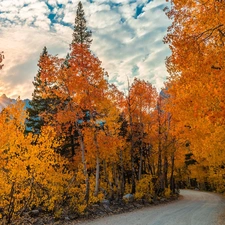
[
  {"x": 196, "y": 90},
  {"x": 83, "y": 140}
]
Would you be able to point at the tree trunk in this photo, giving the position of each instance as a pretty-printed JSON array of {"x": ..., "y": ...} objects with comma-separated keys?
[
  {"x": 132, "y": 160},
  {"x": 72, "y": 145},
  {"x": 159, "y": 170},
  {"x": 84, "y": 166},
  {"x": 172, "y": 184},
  {"x": 97, "y": 176},
  {"x": 122, "y": 182},
  {"x": 140, "y": 164},
  {"x": 133, "y": 185},
  {"x": 165, "y": 172}
]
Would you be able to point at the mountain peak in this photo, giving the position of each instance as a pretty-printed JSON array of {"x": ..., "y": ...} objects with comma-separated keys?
[
  {"x": 5, "y": 101},
  {"x": 3, "y": 96}
]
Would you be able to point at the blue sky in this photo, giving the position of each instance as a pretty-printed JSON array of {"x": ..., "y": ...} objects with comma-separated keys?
[{"x": 127, "y": 38}]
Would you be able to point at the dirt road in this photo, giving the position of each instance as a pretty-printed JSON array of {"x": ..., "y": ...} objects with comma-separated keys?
[{"x": 194, "y": 208}]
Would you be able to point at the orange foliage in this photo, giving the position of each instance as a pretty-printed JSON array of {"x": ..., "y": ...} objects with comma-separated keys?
[{"x": 197, "y": 83}]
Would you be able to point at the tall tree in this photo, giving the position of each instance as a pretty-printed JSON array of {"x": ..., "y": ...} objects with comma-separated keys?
[
  {"x": 81, "y": 40},
  {"x": 141, "y": 100},
  {"x": 39, "y": 103},
  {"x": 82, "y": 87},
  {"x": 196, "y": 84},
  {"x": 81, "y": 34}
]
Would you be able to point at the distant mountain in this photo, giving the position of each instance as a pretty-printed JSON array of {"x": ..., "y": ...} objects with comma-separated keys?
[
  {"x": 27, "y": 105},
  {"x": 5, "y": 101}
]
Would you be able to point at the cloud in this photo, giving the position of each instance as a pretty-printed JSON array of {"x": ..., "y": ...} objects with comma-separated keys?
[
  {"x": 22, "y": 47},
  {"x": 127, "y": 38},
  {"x": 134, "y": 43}
]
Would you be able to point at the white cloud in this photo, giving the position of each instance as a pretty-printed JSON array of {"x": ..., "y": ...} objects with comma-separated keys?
[
  {"x": 22, "y": 47},
  {"x": 126, "y": 45},
  {"x": 62, "y": 1},
  {"x": 136, "y": 42},
  {"x": 52, "y": 2}
]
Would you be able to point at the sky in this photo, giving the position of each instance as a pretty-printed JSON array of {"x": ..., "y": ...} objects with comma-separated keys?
[{"x": 127, "y": 38}]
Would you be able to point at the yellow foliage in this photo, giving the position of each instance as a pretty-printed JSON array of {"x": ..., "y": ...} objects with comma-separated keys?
[
  {"x": 31, "y": 175},
  {"x": 144, "y": 188},
  {"x": 167, "y": 192}
]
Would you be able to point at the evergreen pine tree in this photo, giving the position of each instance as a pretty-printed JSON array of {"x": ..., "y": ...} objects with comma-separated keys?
[
  {"x": 38, "y": 103},
  {"x": 81, "y": 34}
]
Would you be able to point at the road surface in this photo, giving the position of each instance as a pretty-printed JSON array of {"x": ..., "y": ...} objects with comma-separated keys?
[{"x": 194, "y": 208}]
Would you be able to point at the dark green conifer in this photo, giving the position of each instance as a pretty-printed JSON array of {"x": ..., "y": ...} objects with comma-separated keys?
[
  {"x": 81, "y": 34},
  {"x": 38, "y": 104}
]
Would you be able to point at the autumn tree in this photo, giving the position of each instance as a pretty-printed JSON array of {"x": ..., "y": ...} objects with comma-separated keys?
[
  {"x": 81, "y": 88},
  {"x": 85, "y": 96},
  {"x": 140, "y": 101},
  {"x": 31, "y": 175},
  {"x": 79, "y": 47},
  {"x": 166, "y": 143},
  {"x": 82, "y": 38},
  {"x": 196, "y": 83}
]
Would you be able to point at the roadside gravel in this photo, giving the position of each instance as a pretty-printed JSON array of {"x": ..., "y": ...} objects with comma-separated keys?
[{"x": 194, "y": 208}]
